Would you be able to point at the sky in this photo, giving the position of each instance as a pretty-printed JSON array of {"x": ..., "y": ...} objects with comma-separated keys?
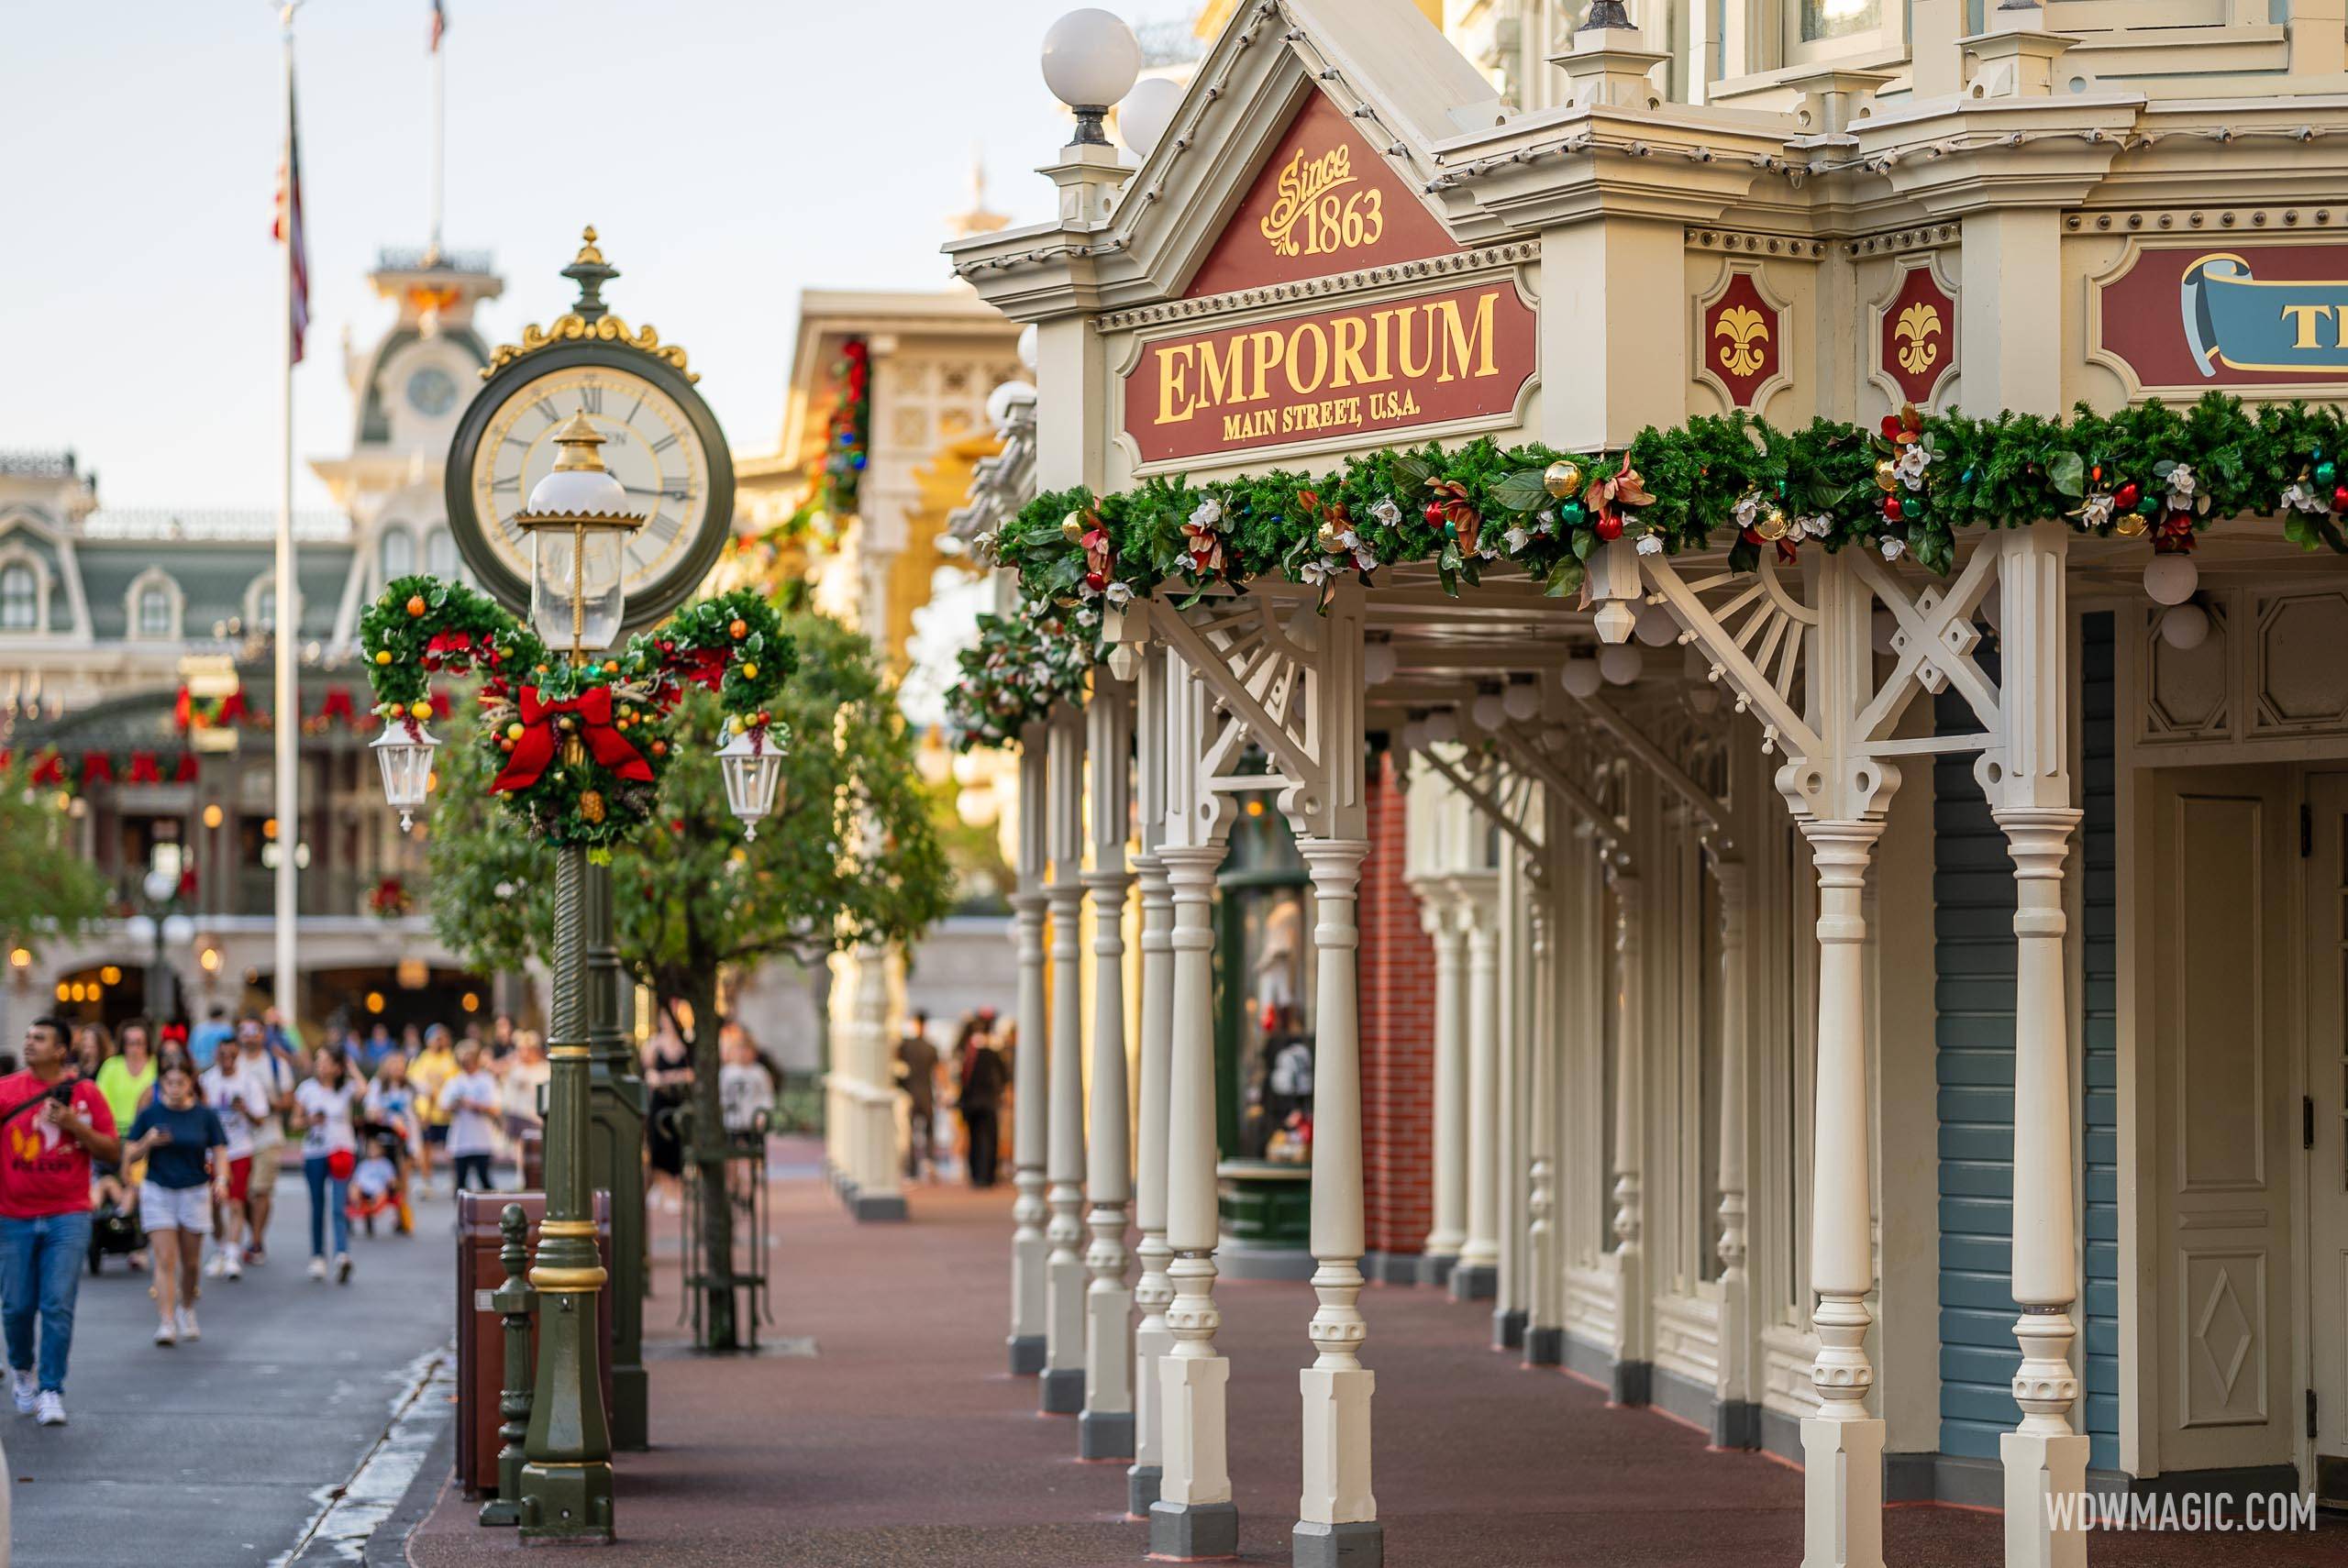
[{"x": 729, "y": 153}]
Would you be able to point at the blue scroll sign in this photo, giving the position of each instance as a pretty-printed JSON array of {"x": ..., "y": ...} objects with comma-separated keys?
[{"x": 2234, "y": 319}]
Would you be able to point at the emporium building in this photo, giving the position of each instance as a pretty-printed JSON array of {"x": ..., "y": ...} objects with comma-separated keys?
[{"x": 1824, "y": 908}]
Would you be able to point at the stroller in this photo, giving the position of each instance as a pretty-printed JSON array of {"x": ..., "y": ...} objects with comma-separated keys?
[
  {"x": 114, "y": 1231},
  {"x": 375, "y": 1185}
]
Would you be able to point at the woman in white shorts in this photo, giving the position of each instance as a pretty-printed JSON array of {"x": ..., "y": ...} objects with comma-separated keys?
[{"x": 185, "y": 1149}]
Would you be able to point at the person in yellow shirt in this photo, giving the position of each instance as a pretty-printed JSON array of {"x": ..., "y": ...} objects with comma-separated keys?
[{"x": 434, "y": 1065}]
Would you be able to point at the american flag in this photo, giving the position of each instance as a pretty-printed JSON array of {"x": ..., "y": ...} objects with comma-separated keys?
[
  {"x": 439, "y": 24},
  {"x": 287, "y": 227}
]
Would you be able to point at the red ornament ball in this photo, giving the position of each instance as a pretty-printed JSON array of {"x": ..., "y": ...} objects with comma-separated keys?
[
  {"x": 1608, "y": 526},
  {"x": 1892, "y": 511},
  {"x": 2340, "y": 498},
  {"x": 1433, "y": 514},
  {"x": 2126, "y": 496}
]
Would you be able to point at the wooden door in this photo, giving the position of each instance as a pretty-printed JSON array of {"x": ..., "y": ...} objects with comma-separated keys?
[
  {"x": 2324, "y": 1131},
  {"x": 2223, "y": 1030}
]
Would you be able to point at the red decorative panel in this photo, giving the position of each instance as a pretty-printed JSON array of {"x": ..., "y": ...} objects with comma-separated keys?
[
  {"x": 1324, "y": 202},
  {"x": 1741, "y": 347},
  {"x": 1916, "y": 338},
  {"x": 2209, "y": 313}
]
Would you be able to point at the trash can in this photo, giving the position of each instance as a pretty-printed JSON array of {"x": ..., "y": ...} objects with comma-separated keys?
[{"x": 480, "y": 1346}]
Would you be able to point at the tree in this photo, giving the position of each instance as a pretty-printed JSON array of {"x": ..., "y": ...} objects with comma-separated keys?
[
  {"x": 48, "y": 891},
  {"x": 850, "y": 858}
]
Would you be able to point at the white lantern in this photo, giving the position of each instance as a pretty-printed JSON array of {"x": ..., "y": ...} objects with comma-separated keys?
[
  {"x": 1521, "y": 700},
  {"x": 579, "y": 524},
  {"x": 752, "y": 763},
  {"x": 2185, "y": 626},
  {"x": 1656, "y": 627},
  {"x": 1378, "y": 663},
  {"x": 1621, "y": 665},
  {"x": 1090, "y": 59},
  {"x": 1581, "y": 677},
  {"x": 1487, "y": 711},
  {"x": 1442, "y": 727},
  {"x": 1415, "y": 734},
  {"x": 404, "y": 751},
  {"x": 1147, "y": 111},
  {"x": 2171, "y": 579}
]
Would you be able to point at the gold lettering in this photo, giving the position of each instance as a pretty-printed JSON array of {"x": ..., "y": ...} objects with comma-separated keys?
[
  {"x": 2304, "y": 317},
  {"x": 1351, "y": 333},
  {"x": 1309, "y": 333},
  {"x": 1425, "y": 314},
  {"x": 1173, "y": 383},
  {"x": 1219, "y": 380},
  {"x": 1462, "y": 345},
  {"x": 1265, "y": 351}
]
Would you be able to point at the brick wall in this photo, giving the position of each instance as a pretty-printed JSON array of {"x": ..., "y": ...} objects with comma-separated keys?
[{"x": 1397, "y": 1032}]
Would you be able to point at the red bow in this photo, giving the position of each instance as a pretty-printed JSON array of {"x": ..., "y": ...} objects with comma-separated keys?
[
  {"x": 592, "y": 709},
  {"x": 706, "y": 666},
  {"x": 144, "y": 769}
]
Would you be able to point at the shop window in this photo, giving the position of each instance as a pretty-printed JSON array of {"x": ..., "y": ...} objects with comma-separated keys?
[
  {"x": 440, "y": 554},
  {"x": 1268, "y": 981},
  {"x": 19, "y": 598},
  {"x": 1819, "y": 30},
  {"x": 154, "y": 612},
  {"x": 395, "y": 552}
]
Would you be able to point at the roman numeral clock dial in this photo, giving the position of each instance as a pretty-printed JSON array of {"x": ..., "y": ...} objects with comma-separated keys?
[{"x": 649, "y": 444}]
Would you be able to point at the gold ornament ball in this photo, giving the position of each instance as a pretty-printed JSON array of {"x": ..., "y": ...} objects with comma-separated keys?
[
  {"x": 382, "y": 655},
  {"x": 420, "y": 710},
  {"x": 1886, "y": 476},
  {"x": 1771, "y": 526},
  {"x": 2127, "y": 525},
  {"x": 750, "y": 671},
  {"x": 514, "y": 731},
  {"x": 1562, "y": 478},
  {"x": 1072, "y": 527}
]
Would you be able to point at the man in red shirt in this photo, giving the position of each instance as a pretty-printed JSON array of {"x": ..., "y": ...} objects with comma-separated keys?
[{"x": 52, "y": 1127}]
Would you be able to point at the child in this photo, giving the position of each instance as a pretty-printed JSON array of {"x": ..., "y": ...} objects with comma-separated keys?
[
  {"x": 183, "y": 1144},
  {"x": 391, "y": 1110},
  {"x": 329, "y": 1152},
  {"x": 374, "y": 1186}
]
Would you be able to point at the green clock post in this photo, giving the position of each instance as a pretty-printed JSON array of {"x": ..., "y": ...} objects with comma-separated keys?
[{"x": 589, "y": 378}]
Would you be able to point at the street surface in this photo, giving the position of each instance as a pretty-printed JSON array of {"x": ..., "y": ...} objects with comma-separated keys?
[{"x": 230, "y": 1451}]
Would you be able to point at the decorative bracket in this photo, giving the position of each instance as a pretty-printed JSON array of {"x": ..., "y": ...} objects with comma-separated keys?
[{"x": 1502, "y": 794}]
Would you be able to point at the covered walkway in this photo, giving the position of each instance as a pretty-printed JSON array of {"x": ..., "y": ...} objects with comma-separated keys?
[{"x": 901, "y": 1441}]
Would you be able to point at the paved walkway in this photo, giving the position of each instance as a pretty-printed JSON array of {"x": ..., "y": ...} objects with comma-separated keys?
[{"x": 901, "y": 1441}]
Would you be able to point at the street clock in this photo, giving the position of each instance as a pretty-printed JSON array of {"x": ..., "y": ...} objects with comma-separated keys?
[{"x": 659, "y": 441}]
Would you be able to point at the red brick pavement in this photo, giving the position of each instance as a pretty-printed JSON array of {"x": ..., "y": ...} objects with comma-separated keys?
[{"x": 903, "y": 1441}]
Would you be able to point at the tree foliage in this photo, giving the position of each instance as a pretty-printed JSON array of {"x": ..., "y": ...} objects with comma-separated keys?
[{"x": 49, "y": 892}]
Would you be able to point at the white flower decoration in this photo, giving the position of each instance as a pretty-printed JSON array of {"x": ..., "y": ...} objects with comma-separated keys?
[
  {"x": 1208, "y": 514},
  {"x": 1893, "y": 549},
  {"x": 2300, "y": 498},
  {"x": 1120, "y": 593},
  {"x": 1546, "y": 519},
  {"x": 2095, "y": 510},
  {"x": 1385, "y": 512},
  {"x": 1818, "y": 524},
  {"x": 1318, "y": 570},
  {"x": 1365, "y": 558},
  {"x": 1747, "y": 508},
  {"x": 1650, "y": 544},
  {"x": 1914, "y": 459},
  {"x": 1517, "y": 539}
]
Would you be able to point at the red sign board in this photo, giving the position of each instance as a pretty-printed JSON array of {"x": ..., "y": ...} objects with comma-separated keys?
[
  {"x": 1741, "y": 347},
  {"x": 1916, "y": 338},
  {"x": 1324, "y": 202},
  {"x": 1389, "y": 364},
  {"x": 2219, "y": 312}
]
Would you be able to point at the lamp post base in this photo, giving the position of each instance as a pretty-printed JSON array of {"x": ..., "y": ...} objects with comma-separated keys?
[{"x": 567, "y": 1502}]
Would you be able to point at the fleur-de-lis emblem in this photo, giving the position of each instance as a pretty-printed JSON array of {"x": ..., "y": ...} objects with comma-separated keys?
[
  {"x": 1747, "y": 330},
  {"x": 1915, "y": 330}
]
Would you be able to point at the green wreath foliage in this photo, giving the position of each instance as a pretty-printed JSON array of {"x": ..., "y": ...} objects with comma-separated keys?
[{"x": 733, "y": 644}]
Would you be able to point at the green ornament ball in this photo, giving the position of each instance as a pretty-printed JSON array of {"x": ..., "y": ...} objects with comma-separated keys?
[
  {"x": 2147, "y": 505},
  {"x": 2326, "y": 473}
]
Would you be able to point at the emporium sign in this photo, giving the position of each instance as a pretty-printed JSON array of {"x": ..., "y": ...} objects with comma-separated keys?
[
  {"x": 1463, "y": 354},
  {"x": 2183, "y": 318}
]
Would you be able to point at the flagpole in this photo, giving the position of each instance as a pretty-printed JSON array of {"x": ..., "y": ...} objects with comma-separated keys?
[
  {"x": 286, "y": 635},
  {"x": 440, "y": 135}
]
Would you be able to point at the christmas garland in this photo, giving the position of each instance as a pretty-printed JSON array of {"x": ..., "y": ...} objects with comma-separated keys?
[
  {"x": 580, "y": 748},
  {"x": 1019, "y": 667},
  {"x": 50, "y": 768},
  {"x": 849, "y": 432},
  {"x": 1902, "y": 489}
]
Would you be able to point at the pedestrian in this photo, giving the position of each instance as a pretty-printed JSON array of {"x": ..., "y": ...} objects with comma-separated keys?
[
  {"x": 322, "y": 1106},
  {"x": 428, "y": 1071},
  {"x": 378, "y": 1044},
  {"x": 470, "y": 1098},
  {"x": 917, "y": 1076},
  {"x": 93, "y": 1043},
  {"x": 390, "y": 1109},
  {"x": 528, "y": 1073},
  {"x": 669, "y": 1079},
  {"x": 745, "y": 1084},
  {"x": 126, "y": 1078},
  {"x": 205, "y": 1041},
  {"x": 237, "y": 1093},
  {"x": 265, "y": 1051},
  {"x": 980, "y": 1098},
  {"x": 52, "y": 1127},
  {"x": 185, "y": 1148}
]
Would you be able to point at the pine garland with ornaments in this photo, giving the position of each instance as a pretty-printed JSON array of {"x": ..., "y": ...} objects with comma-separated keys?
[
  {"x": 1904, "y": 488},
  {"x": 1019, "y": 667},
  {"x": 580, "y": 747}
]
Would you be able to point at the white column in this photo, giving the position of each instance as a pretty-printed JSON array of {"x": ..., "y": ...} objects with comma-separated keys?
[
  {"x": 1734, "y": 1412},
  {"x": 1842, "y": 1444},
  {"x": 1629, "y": 1125},
  {"x": 1064, "y": 1281},
  {"x": 1507, "y": 1291},
  {"x": 1194, "y": 1515},
  {"x": 1029, "y": 1104},
  {"x": 1450, "y": 1232},
  {"x": 1152, "y": 1339},
  {"x": 2031, "y": 799},
  {"x": 1479, "y": 1257},
  {"x": 1545, "y": 1263},
  {"x": 879, "y": 1185},
  {"x": 1336, "y": 1515},
  {"x": 1105, "y": 1426}
]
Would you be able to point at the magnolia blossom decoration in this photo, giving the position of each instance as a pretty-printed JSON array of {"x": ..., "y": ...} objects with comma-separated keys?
[
  {"x": 1893, "y": 549},
  {"x": 1384, "y": 510},
  {"x": 1650, "y": 543},
  {"x": 2300, "y": 498},
  {"x": 2097, "y": 509}
]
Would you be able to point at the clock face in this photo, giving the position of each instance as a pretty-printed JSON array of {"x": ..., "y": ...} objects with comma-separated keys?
[
  {"x": 650, "y": 444},
  {"x": 432, "y": 392}
]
